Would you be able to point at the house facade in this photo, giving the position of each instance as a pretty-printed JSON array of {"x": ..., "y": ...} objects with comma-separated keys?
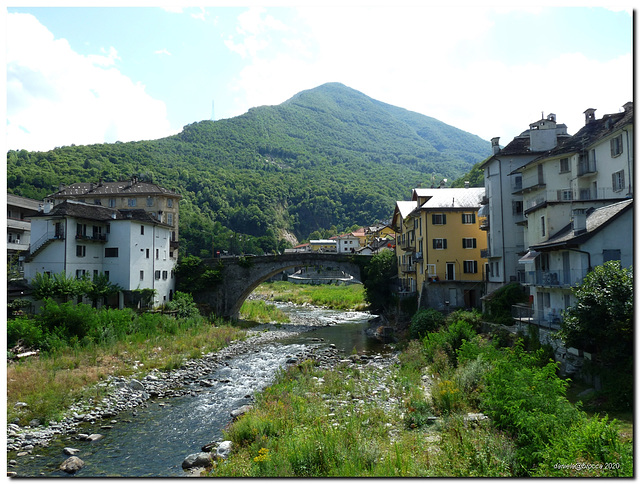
[
  {"x": 577, "y": 203},
  {"x": 19, "y": 212},
  {"x": 131, "y": 247},
  {"x": 439, "y": 247},
  {"x": 161, "y": 203},
  {"x": 502, "y": 215}
]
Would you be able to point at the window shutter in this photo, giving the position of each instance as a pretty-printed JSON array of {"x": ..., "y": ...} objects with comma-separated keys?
[
  {"x": 444, "y": 243},
  {"x": 473, "y": 218},
  {"x": 434, "y": 243},
  {"x": 463, "y": 218},
  {"x": 444, "y": 220},
  {"x": 474, "y": 244}
]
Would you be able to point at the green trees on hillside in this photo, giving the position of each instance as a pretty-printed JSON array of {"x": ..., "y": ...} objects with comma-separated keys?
[{"x": 330, "y": 157}]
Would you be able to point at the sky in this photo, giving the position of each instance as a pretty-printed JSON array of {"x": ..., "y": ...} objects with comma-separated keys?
[{"x": 84, "y": 75}]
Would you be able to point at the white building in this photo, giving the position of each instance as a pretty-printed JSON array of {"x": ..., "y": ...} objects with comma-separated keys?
[
  {"x": 502, "y": 215},
  {"x": 557, "y": 265},
  {"x": 131, "y": 247},
  {"x": 347, "y": 243},
  {"x": 19, "y": 212}
]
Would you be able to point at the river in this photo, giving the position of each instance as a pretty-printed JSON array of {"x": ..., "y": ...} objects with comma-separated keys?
[{"x": 153, "y": 440}]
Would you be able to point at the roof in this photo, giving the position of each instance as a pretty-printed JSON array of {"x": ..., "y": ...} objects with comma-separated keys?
[
  {"x": 126, "y": 187},
  {"x": 588, "y": 135},
  {"x": 405, "y": 207},
  {"x": 71, "y": 208},
  {"x": 450, "y": 197},
  {"x": 22, "y": 202},
  {"x": 596, "y": 221}
]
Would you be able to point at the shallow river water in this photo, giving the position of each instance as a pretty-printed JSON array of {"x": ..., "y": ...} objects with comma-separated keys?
[{"x": 153, "y": 440}]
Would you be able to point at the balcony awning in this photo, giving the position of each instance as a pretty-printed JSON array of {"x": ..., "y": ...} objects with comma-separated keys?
[
  {"x": 483, "y": 211},
  {"x": 528, "y": 257}
]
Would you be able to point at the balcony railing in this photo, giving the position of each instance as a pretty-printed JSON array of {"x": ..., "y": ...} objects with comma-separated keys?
[
  {"x": 92, "y": 237},
  {"x": 485, "y": 253},
  {"x": 587, "y": 167},
  {"x": 559, "y": 278},
  {"x": 484, "y": 223},
  {"x": 406, "y": 268},
  {"x": 527, "y": 314}
]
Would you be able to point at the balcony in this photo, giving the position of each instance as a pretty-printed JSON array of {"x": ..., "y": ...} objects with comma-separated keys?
[
  {"x": 92, "y": 238},
  {"x": 558, "y": 278},
  {"x": 527, "y": 314},
  {"x": 407, "y": 268},
  {"x": 18, "y": 224},
  {"x": 485, "y": 253},
  {"x": 587, "y": 167},
  {"x": 484, "y": 223}
]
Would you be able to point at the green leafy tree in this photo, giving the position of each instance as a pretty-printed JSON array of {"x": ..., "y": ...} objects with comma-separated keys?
[
  {"x": 377, "y": 281},
  {"x": 100, "y": 287},
  {"x": 601, "y": 320}
]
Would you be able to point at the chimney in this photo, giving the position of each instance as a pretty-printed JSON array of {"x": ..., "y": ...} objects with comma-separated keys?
[
  {"x": 589, "y": 116},
  {"x": 579, "y": 221},
  {"x": 466, "y": 184},
  {"x": 628, "y": 106},
  {"x": 495, "y": 145}
]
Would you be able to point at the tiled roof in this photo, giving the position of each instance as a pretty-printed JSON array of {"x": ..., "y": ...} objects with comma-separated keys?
[
  {"x": 70, "y": 208},
  {"x": 596, "y": 220},
  {"x": 126, "y": 187}
]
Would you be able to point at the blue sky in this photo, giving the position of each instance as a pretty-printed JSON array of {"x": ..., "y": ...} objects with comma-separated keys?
[{"x": 82, "y": 75}]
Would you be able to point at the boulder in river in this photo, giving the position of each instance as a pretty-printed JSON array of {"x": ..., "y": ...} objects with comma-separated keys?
[
  {"x": 72, "y": 465},
  {"x": 224, "y": 449},
  {"x": 240, "y": 411},
  {"x": 70, "y": 451},
  {"x": 200, "y": 459}
]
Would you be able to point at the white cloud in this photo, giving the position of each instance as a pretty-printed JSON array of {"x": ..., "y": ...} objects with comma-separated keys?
[
  {"x": 57, "y": 97},
  {"x": 162, "y": 52}
]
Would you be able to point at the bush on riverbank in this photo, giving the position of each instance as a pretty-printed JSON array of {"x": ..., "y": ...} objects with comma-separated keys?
[
  {"x": 320, "y": 423},
  {"x": 81, "y": 345}
]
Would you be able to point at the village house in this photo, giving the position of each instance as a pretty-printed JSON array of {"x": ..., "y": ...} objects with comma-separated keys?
[
  {"x": 19, "y": 212},
  {"x": 130, "y": 246},
  {"x": 439, "y": 245},
  {"x": 577, "y": 202}
]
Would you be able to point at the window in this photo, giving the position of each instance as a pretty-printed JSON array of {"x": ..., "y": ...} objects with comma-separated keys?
[
  {"x": 542, "y": 227},
  {"x": 564, "y": 165},
  {"x": 468, "y": 218},
  {"x": 112, "y": 203},
  {"x": 170, "y": 221},
  {"x": 142, "y": 230},
  {"x": 431, "y": 269},
  {"x": 516, "y": 207},
  {"x": 565, "y": 194},
  {"x": 81, "y": 230},
  {"x": 438, "y": 219},
  {"x": 111, "y": 252},
  {"x": 470, "y": 267},
  {"x": 616, "y": 146},
  {"x": 106, "y": 274},
  {"x": 157, "y": 275},
  {"x": 164, "y": 275},
  {"x": 108, "y": 228},
  {"x": 157, "y": 254},
  {"x": 610, "y": 254},
  {"x": 468, "y": 243},
  {"x": 617, "y": 179},
  {"x": 439, "y": 243},
  {"x": 131, "y": 202},
  {"x": 169, "y": 202},
  {"x": 540, "y": 175},
  {"x": 173, "y": 273},
  {"x": 80, "y": 273},
  {"x": 150, "y": 201},
  {"x": 142, "y": 275},
  {"x": 147, "y": 253},
  {"x": 81, "y": 250}
]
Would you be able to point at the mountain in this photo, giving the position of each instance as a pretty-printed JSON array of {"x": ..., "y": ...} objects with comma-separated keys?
[{"x": 327, "y": 157}]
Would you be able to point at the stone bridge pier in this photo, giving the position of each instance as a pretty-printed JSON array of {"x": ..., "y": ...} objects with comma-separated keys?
[{"x": 241, "y": 275}]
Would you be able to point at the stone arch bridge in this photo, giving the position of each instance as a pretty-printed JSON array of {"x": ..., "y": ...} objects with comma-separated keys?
[{"x": 241, "y": 275}]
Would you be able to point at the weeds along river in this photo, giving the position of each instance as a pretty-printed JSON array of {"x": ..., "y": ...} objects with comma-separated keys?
[{"x": 152, "y": 440}]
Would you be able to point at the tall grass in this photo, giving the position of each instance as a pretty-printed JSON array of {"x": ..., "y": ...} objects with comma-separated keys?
[
  {"x": 324, "y": 295},
  {"x": 261, "y": 312}
]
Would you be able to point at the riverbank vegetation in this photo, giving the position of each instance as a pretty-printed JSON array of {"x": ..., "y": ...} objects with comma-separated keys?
[
  {"x": 79, "y": 346},
  {"x": 315, "y": 422},
  {"x": 330, "y": 296}
]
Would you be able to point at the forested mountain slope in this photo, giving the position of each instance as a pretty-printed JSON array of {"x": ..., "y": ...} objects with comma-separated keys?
[{"x": 329, "y": 156}]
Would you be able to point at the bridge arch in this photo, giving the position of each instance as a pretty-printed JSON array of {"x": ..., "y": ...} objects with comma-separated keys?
[{"x": 241, "y": 275}]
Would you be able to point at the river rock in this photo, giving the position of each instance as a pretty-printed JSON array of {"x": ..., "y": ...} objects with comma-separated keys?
[
  {"x": 94, "y": 437},
  {"x": 136, "y": 386},
  {"x": 70, "y": 451},
  {"x": 239, "y": 412},
  {"x": 72, "y": 465},
  {"x": 224, "y": 449},
  {"x": 201, "y": 459}
]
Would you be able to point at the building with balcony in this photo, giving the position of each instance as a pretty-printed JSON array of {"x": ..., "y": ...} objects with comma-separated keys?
[
  {"x": 130, "y": 246},
  {"x": 438, "y": 246},
  {"x": 161, "y": 203},
  {"x": 19, "y": 212},
  {"x": 559, "y": 263},
  {"x": 502, "y": 215}
]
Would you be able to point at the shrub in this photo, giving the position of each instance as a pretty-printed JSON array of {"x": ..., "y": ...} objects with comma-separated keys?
[
  {"x": 68, "y": 319},
  {"x": 25, "y": 329},
  {"x": 182, "y": 302},
  {"x": 499, "y": 304},
  {"x": 425, "y": 321},
  {"x": 447, "y": 397}
]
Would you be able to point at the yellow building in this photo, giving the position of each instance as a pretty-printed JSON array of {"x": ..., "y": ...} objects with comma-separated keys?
[{"x": 439, "y": 246}]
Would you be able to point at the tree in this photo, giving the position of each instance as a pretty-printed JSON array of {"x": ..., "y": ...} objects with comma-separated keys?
[
  {"x": 377, "y": 281},
  {"x": 100, "y": 287},
  {"x": 601, "y": 320}
]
